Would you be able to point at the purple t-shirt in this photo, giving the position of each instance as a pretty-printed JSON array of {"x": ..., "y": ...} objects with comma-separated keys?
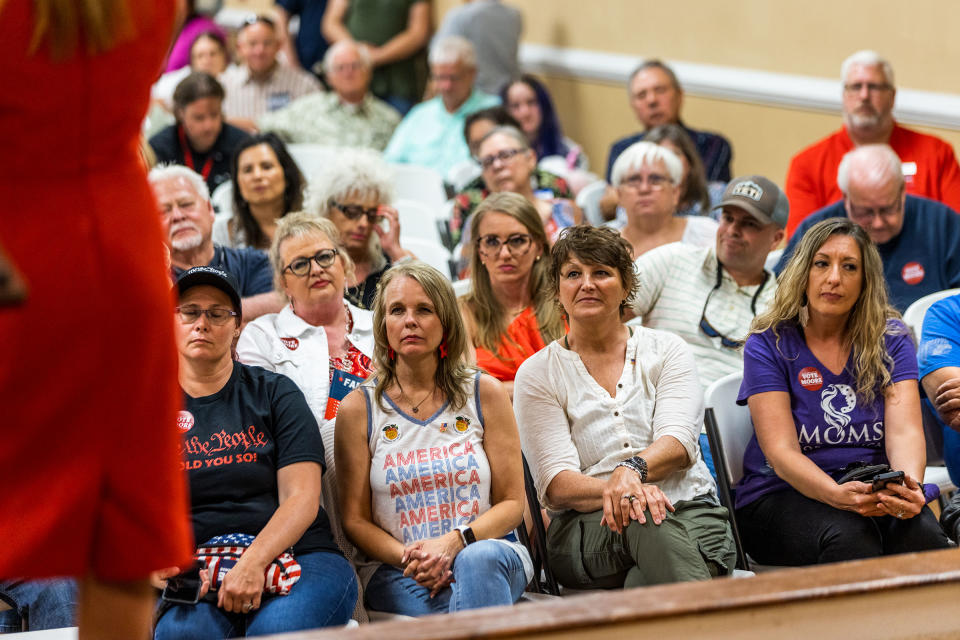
[{"x": 833, "y": 428}]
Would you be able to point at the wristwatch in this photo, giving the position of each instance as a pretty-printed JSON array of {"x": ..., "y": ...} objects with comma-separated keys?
[{"x": 466, "y": 535}]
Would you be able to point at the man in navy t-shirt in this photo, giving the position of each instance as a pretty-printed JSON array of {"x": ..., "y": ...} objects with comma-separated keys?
[
  {"x": 187, "y": 217},
  {"x": 918, "y": 239}
]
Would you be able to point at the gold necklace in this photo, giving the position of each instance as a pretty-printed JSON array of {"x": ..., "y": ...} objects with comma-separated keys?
[{"x": 416, "y": 408}]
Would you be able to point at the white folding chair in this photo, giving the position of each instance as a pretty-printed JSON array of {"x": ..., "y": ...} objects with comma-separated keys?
[
  {"x": 557, "y": 165},
  {"x": 418, "y": 220},
  {"x": 433, "y": 253},
  {"x": 461, "y": 287},
  {"x": 312, "y": 158},
  {"x": 420, "y": 184},
  {"x": 729, "y": 429},
  {"x": 589, "y": 201},
  {"x": 913, "y": 316},
  {"x": 222, "y": 200},
  {"x": 772, "y": 259},
  {"x": 462, "y": 174}
]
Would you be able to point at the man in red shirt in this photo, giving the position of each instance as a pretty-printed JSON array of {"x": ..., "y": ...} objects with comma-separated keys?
[{"x": 929, "y": 165}]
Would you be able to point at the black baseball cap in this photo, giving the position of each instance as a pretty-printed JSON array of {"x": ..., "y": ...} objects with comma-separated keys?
[{"x": 213, "y": 277}]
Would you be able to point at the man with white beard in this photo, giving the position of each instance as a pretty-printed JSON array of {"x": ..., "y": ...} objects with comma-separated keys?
[
  {"x": 187, "y": 219},
  {"x": 929, "y": 165}
]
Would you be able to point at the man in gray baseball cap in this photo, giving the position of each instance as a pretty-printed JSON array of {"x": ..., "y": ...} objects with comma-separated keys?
[{"x": 709, "y": 295}]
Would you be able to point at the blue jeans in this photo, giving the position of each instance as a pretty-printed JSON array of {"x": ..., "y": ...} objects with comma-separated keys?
[
  {"x": 324, "y": 596},
  {"x": 486, "y": 574},
  {"x": 47, "y": 604}
]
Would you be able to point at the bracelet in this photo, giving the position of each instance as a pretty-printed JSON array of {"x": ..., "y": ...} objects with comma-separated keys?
[{"x": 637, "y": 464}]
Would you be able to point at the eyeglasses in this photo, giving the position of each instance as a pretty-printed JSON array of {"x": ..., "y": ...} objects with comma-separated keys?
[
  {"x": 256, "y": 19},
  {"x": 355, "y": 211},
  {"x": 517, "y": 244},
  {"x": 348, "y": 66},
  {"x": 216, "y": 315},
  {"x": 301, "y": 266},
  {"x": 867, "y": 214},
  {"x": 653, "y": 181},
  {"x": 872, "y": 87},
  {"x": 503, "y": 156},
  {"x": 705, "y": 325}
]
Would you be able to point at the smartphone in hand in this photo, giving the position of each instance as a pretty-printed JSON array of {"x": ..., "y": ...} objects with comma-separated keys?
[
  {"x": 184, "y": 588},
  {"x": 881, "y": 480}
]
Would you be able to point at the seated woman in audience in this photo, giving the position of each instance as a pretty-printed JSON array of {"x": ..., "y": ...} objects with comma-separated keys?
[
  {"x": 478, "y": 125},
  {"x": 254, "y": 458},
  {"x": 697, "y": 196},
  {"x": 510, "y": 312},
  {"x": 508, "y": 164},
  {"x": 267, "y": 185},
  {"x": 354, "y": 194},
  {"x": 609, "y": 419},
  {"x": 527, "y": 100},
  {"x": 830, "y": 376},
  {"x": 208, "y": 53},
  {"x": 648, "y": 179},
  {"x": 425, "y": 401}
]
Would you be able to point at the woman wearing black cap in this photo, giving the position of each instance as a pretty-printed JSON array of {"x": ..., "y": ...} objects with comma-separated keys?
[{"x": 254, "y": 457}]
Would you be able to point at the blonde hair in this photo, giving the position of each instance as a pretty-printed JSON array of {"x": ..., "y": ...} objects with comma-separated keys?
[
  {"x": 100, "y": 24},
  {"x": 452, "y": 374},
  {"x": 489, "y": 315},
  {"x": 869, "y": 319},
  {"x": 296, "y": 225}
]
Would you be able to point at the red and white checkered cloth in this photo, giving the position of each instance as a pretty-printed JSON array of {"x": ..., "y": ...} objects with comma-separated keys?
[{"x": 220, "y": 553}]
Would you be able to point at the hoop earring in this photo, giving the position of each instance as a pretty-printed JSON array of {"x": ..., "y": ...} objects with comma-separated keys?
[
  {"x": 443, "y": 348},
  {"x": 391, "y": 354}
]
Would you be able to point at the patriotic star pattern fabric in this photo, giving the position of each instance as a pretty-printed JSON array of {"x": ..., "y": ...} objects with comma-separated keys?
[{"x": 221, "y": 553}]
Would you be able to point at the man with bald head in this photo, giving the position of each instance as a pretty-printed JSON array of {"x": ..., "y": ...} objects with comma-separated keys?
[
  {"x": 929, "y": 165},
  {"x": 918, "y": 239}
]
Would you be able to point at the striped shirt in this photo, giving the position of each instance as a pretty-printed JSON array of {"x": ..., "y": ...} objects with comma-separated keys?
[
  {"x": 675, "y": 280},
  {"x": 250, "y": 98}
]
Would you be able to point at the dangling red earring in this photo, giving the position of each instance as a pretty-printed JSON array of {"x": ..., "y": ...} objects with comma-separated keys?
[
  {"x": 443, "y": 348},
  {"x": 391, "y": 354}
]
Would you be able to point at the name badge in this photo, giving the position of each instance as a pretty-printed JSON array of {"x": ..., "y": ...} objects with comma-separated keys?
[
  {"x": 277, "y": 101},
  {"x": 909, "y": 168}
]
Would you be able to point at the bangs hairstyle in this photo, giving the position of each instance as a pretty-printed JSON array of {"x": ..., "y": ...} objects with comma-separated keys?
[
  {"x": 453, "y": 374},
  {"x": 488, "y": 313},
  {"x": 292, "y": 189},
  {"x": 297, "y": 225},
  {"x": 695, "y": 190},
  {"x": 644, "y": 153},
  {"x": 596, "y": 246},
  {"x": 869, "y": 319}
]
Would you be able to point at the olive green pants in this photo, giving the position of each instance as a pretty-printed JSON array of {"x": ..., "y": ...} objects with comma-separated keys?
[{"x": 692, "y": 543}]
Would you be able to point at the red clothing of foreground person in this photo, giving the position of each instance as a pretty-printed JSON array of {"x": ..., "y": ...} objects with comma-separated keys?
[
  {"x": 521, "y": 340},
  {"x": 91, "y": 477},
  {"x": 930, "y": 170}
]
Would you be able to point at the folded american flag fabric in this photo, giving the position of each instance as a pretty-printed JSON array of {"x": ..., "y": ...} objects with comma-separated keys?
[{"x": 219, "y": 554}]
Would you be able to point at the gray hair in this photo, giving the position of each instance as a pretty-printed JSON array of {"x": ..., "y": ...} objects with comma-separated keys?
[
  {"x": 164, "y": 172},
  {"x": 877, "y": 163},
  {"x": 343, "y": 45},
  {"x": 453, "y": 49},
  {"x": 508, "y": 131},
  {"x": 655, "y": 63},
  {"x": 296, "y": 225},
  {"x": 645, "y": 153},
  {"x": 867, "y": 58}
]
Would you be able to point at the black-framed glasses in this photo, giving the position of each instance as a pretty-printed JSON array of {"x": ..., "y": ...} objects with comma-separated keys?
[
  {"x": 354, "y": 211},
  {"x": 517, "y": 244},
  {"x": 301, "y": 266},
  {"x": 705, "y": 325},
  {"x": 216, "y": 315},
  {"x": 503, "y": 156}
]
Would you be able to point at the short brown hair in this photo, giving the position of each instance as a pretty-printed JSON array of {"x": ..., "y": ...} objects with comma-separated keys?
[
  {"x": 196, "y": 86},
  {"x": 596, "y": 245}
]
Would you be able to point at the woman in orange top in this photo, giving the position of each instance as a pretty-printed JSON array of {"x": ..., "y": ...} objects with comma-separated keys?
[{"x": 509, "y": 312}]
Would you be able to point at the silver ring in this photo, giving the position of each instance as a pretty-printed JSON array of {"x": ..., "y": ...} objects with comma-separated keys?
[
  {"x": 900, "y": 514},
  {"x": 247, "y": 606}
]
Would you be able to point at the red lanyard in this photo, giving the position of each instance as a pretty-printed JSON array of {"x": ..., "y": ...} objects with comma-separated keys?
[{"x": 188, "y": 156}]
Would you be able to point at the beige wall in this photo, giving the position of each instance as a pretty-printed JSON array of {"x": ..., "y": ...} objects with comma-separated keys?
[{"x": 790, "y": 37}]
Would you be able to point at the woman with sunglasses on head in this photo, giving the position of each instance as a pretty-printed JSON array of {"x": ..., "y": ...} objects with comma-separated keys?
[
  {"x": 254, "y": 460},
  {"x": 609, "y": 417},
  {"x": 354, "y": 193},
  {"x": 830, "y": 376},
  {"x": 267, "y": 185},
  {"x": 431, "y": 479},
  {"x": 509, "y": 312}
]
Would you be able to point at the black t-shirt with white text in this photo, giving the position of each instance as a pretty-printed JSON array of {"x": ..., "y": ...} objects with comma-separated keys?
[{"x": 234, "y": 441}]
